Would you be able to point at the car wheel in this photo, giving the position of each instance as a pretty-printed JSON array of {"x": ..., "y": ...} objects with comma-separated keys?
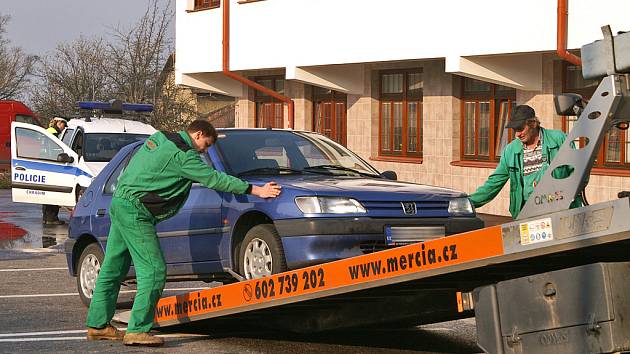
[
  {"x": 261, "y": 253},
  {"x": 89, "y": 266}
]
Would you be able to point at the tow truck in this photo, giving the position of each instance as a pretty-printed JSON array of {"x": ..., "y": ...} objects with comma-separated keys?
[{"x": 552, "y": 281}]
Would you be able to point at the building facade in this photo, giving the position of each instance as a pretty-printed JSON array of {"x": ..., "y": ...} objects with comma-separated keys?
[{"x": 424, "y": 90}]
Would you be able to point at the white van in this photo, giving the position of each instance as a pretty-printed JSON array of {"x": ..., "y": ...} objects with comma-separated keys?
[{"x": 50, "y": 170}]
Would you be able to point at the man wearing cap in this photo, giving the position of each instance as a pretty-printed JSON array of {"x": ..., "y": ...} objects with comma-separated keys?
[
  {"x": 50, "y": 212},
  {"x": 524, "y": 161}
]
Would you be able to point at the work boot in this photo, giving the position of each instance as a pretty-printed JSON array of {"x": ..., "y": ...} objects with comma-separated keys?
[
  {"x": 109, "y": 333},
  {"x": 142, "y": 338}
]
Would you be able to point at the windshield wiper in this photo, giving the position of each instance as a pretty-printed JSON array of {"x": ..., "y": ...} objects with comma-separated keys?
[
  {"x": 341, "y": 168},
  {"x": 270, "y": 170}
]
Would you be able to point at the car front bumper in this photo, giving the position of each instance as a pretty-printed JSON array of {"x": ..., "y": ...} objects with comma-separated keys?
[{"x": 309, "y": 241}]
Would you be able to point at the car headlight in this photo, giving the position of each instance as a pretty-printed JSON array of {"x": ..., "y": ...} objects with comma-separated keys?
[
  {"x": 460, "y": 206},
  {"x": 329, "y": 205}
]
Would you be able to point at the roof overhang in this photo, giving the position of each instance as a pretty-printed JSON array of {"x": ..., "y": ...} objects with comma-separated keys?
[
  {"x": 520, "y": 71},
  {"x": 346, "y": 78},
  {"x": 211, "y": 82}
]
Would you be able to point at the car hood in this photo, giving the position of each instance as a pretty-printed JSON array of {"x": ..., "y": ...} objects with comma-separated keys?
[{"x": 366, "y": 189}]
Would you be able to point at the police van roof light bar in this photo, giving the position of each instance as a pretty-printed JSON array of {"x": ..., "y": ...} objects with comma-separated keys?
[{"x": 114, "y": 106}]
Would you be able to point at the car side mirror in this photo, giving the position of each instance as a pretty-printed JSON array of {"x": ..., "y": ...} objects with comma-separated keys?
[
  {"x": 568, "y": 104},
  {"x": 65, "y": 158},
  {"x": 391, "y": 175}
]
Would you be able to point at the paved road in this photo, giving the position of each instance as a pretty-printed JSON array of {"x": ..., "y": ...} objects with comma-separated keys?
[{"x": 41, "y": 310}]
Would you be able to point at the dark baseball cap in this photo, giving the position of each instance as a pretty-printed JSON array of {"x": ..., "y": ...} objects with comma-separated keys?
[{"x": 521, "y": 114}]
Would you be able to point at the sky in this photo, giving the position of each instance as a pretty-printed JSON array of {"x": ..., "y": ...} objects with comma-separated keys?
[{"x": 39, "y": 25}]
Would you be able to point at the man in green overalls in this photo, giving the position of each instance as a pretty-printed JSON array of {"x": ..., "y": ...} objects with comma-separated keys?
[
  {"x": 152, "y": 188},
  {"x": 524, "y": 161}
]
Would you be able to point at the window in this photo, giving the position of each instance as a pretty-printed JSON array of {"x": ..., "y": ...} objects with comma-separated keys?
[
  {"x": 112, "y": 181},
  {"x": 269, "y": 111},
  {"x": 400, "y": 113},
  {"x": 67, "y": 135},
  {"x": 101, "y": 147},
  {"x": 32, "y": 144},
  {"x": 77, "y": 143},
  {"x": 207, "y": 4},
  {"x": 242, "y": 151},
  {"x": 329, "y": 114},
  {"x": 485, "y": 110},
  {"x": 615, "y": 150}
]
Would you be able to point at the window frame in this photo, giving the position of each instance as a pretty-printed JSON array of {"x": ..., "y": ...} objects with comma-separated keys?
[
  {"x": 334, "y": 99},
  {"x": 201, "y": 5},
  {"x": 495, "y": 96},
  {"x": 600, "y": 166},
  {"x": 405, "y": 98},
  {"x": 275, "y": 105}
]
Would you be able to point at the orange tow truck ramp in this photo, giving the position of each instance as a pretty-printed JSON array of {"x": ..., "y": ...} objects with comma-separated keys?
[{"x": 344, "y": 276}]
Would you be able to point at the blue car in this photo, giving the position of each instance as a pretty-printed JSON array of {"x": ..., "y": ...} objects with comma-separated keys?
[{"x": 333, "y": 205}]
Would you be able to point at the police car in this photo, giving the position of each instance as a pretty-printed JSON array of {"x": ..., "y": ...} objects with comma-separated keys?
[{"x": 50, "y": 170}]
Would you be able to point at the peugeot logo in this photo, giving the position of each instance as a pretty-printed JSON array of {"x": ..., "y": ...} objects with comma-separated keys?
[{"x": 409, "y": 208}]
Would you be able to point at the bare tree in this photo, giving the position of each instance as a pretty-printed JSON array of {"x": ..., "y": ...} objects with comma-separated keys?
[
  {"x": 15, "y": 66},
  {"x": 140, "y": 53},
  {"x": 175, "y": 106},
  {"x": 76, "y": 71},
  {"x": 133, "y": 66}
]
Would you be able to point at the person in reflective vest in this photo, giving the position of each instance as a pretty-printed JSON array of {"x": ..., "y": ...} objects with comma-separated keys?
[{"x": 50, "y": 213}]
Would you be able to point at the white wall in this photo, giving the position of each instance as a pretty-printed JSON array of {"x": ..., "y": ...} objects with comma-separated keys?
[{"x": 286, "y": 33}]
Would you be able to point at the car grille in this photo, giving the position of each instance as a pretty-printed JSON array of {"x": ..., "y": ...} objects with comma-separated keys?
[{"x": 424, "y": 208}]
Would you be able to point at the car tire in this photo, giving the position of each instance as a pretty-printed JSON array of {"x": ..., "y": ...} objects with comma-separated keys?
[
  {"x": 261, "y": 253},
  {"x": 88, "y": 268}
]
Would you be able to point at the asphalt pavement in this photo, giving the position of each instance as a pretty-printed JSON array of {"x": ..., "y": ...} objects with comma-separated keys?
[{"x": 41, "y": 310}]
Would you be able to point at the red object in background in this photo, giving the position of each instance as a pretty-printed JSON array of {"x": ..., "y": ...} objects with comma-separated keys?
[
  {"x": 11, "y": 111},
  {"x": 9, "y": 231}
]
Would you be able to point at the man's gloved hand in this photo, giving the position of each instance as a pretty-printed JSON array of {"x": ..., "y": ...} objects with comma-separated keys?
[{"x": 269, "y": 190}]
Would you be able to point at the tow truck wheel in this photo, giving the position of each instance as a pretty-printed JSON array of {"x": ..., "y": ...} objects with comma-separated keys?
[
  {"x": 261, "y": 253},
  {"x": 89, "y": 266}
]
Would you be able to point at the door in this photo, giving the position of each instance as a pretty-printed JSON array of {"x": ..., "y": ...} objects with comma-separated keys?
[
  {"x": 43, "y": 169},
  {"x": 5, "y": 138},
  {"x": 329, "y": 114}
]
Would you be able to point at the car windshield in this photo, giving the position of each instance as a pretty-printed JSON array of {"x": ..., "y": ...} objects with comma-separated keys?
[
  {"x": 101, "y": 147},
  {"x": 284, "y": 152}
]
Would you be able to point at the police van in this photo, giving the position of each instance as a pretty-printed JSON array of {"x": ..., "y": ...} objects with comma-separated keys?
[{"x": 49, "y": 170}]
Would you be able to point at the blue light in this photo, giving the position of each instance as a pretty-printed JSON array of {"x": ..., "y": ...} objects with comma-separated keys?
[
  {"x": 133, "y": 107},
  {"x": 137, "y": 107}
]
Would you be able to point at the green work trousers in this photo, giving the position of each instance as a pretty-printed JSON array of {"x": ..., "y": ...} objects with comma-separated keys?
[{"x": 132, "y": 237}]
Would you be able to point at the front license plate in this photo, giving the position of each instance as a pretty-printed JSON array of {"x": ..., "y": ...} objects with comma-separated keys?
[{"x": 404, "y": 235}]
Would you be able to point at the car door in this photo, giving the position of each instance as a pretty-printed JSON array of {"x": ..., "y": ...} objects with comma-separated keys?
[
  {"x": 189, "y": 240},
  {"x": 43, "y": 169},
  {"x": 193, "y": 236}
]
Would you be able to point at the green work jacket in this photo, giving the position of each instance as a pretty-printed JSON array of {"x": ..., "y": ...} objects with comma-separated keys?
[
  {"x": 511, "y": 167},
  {"x": 161, "y": 172}
]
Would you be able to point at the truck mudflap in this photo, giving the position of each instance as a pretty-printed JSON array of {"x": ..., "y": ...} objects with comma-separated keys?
[{"x": 576, "y": 310}]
